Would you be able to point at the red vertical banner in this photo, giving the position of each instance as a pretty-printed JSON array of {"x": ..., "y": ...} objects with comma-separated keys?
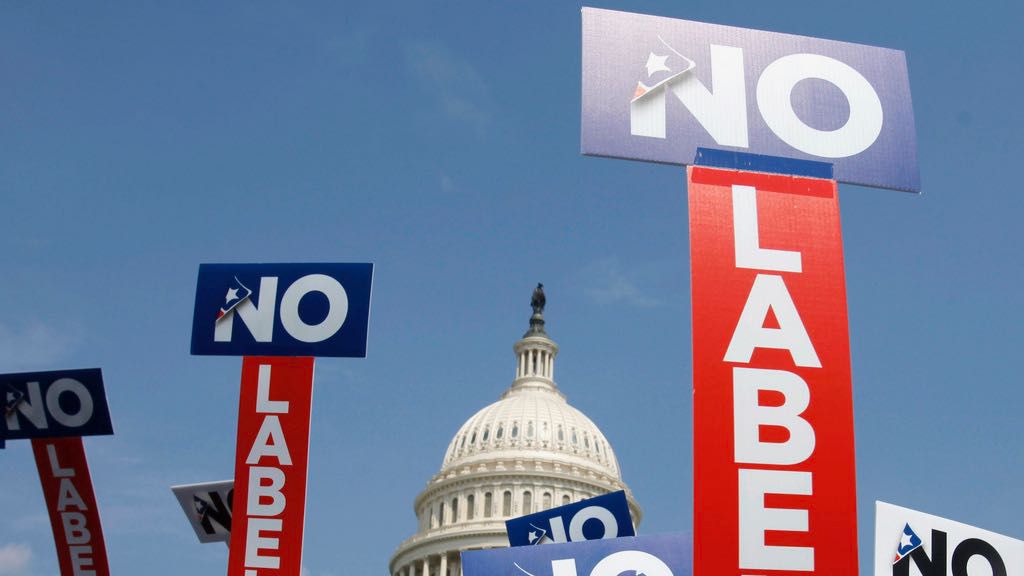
[
  {"x": 774, "y": 477},
  {"x": 71, "y": 503},
  {"x": 271, "y": 460}
]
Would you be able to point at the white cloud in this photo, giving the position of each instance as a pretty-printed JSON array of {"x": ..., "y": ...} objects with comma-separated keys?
[
  {"x": 34, "y": 345},
  {"x": 607, "y": 284},
  {"x": 14, "y": 559},
  {"x": 454, "y": 82}
]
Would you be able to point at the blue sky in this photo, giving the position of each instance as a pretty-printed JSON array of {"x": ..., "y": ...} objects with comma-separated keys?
[{"x": 441, "y": 142}]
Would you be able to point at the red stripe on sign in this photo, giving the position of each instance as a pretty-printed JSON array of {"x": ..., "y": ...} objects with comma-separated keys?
[
  {"x": 773, "y": 182},
  {"x": 774, "y": 479},
  {"x": 71, "y": 503},
  {"x": 271, "y": 461}
]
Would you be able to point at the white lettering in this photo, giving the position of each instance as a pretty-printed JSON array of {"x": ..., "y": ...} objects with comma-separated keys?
[
  {"x": 756, "y": 519},
  {"x": 566, "y": 567},
  {"x": 75, "y": 387},
  {"x": 337, "y": 308},
  {"x": 628, "y": 561},
  {"x": 254, "y": 543},
  {"x": 749, "y": 416},
  {"x": 259, "y": 320},
  {"x": 80, "y": 559},
  {"x": 30, "y": 407},
  {"x": 774, "y": 92},
  {"x": 749, "y": 253},
  {"x": 270, "y": 442},
  {"x": 264, "y": 405},
  {"x": 58, "y": 472},
  {"x": 723, "y": 112},
  {"x": 67, "y": 496},
  {"x": 769, "y": 292},
  {"x": 75, "y": 531},
  {"x": 607, "y": 519},
  {"x": 258, "y": 491}
]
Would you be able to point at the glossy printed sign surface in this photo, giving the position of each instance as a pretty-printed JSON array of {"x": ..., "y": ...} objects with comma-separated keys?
[
  {"x": 657, "y": 555},
  {"x": 71, "y": 503},
  {"x": 774, "y": 477},
  {"x": 656, "y": 89},
  {"x": 55, "y": 404},
  {"x": 604, "y": 516},
  {"x": 271, "y": 461},
  {"x": 318, "y": 309},
  {"x": 908, "y": 542},
  {"x": 207, "y": 507}
]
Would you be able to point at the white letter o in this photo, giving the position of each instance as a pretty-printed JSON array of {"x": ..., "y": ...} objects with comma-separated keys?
[
  {"x": 337, "y": 308},
  {"x": 774, "y": 91}
]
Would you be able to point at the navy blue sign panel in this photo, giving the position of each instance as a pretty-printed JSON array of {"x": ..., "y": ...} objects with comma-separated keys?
[
  {"x": 54, "y": 404},
  {"x": 605, "y": 516},
  {"x": 282, "y": 310},
  {"x": 656, "y": 89},
  {"x": 655, "y": 555}
]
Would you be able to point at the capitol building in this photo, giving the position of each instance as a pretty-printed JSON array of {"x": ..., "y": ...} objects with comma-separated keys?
[{"x": 525, "y": 453}]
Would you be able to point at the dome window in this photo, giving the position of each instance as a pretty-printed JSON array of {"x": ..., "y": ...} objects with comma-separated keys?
[
  {"x": 527, "y": 503},
  {"x": 547, "y": 500},
  {"x": 561, "y": 434},
  {"x": 470, "y": 506},
  {"x": 506, "y": 504},
  {"x": 488, "y": 505},
  {"x": 487, "y": 433},
  {"x": 529, "y": 429},
  {"x": 500, "y": 432},
  {"x": 515, "y": 429},
  {"x": 544, "y": 432},
  {"x": 455, "y": 510},
  {"x": 472, "y": 439},
  {"x": 575, "y": 441},
  {"x": 586, "y": 441}
]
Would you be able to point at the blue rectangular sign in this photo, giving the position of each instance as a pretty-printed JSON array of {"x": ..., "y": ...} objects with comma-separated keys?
[
  {"x": 282, "y": 310},
  {"x": 657, "y": 555},
  {"x": 54, "y": 404},
  {"x": 605, "y": 516},
  {"x": 657, "y": 89}
]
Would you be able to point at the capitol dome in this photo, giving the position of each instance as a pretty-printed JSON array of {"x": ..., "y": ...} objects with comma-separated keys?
[{"x": 525, "y": 453}]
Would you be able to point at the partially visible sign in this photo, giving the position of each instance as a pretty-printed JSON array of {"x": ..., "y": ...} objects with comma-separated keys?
[
  {"x": 605, "y": 516},
  {"x": 282, "y": 309},
  {"x": 911, "y": 542},
  {"x": 656, "y": 89},
  {"x": 271, "y": 458},
  {"x": 54, "y": 404},
  {"x": 208, "y": 508},
  {"x": 657, "y": 555},
  {"x": 774, "y": 473},
  {"x": 71, "y": 503}
]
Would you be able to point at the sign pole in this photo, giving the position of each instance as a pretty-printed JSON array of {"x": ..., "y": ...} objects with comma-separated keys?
[
  {"x": 71, "y": 503},
  {"x": 271, "y": 463},
  {"x": 774, "y": 474}
]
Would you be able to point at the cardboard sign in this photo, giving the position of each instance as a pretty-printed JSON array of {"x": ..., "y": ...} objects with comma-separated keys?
[
  {"x": 658, "y": 555},
  {"x": 271, "y": 460},
  {"x": 54, "y": 404},
  {"x": 71, "y": 503},
  {"x": 208, "y": 508},
  {"x": 774, "y": 478},
  {"x": 912, "y": 543},
  {"x": 656, "y": 89},
  {"x": 605, "y": 516},
  {"x": 282, "y": 310}
]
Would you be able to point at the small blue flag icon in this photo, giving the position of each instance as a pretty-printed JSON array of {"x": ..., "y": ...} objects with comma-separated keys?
[
  {"x": 236, "y": 294},
  {"x": 909, "y": 541}
]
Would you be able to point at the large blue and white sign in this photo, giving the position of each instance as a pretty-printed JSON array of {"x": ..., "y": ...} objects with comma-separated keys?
[
  {"x": 656, "y": 89},
  {"x": 657, "y": 555},
  {"x": 282, "y": 310},
  {"x": 54, "y": 404},
  {"x": 605, "y": 516}
]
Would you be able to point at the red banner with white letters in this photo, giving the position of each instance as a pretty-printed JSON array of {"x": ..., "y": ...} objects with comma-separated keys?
[
  {"x": 71, "y": 503},
  {"x": 774, "y": 477},
  {"x": 271, "y": 460}
]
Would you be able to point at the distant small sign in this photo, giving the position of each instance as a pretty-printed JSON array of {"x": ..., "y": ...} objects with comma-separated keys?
[
  {"x": 601, "y": 517},
  {"x": 208, "y": 508},
  {"x": 55, "y": 404}
]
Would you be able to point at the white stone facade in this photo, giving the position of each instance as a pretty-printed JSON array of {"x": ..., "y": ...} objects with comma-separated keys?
[{"x": 527, "y": 452}]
